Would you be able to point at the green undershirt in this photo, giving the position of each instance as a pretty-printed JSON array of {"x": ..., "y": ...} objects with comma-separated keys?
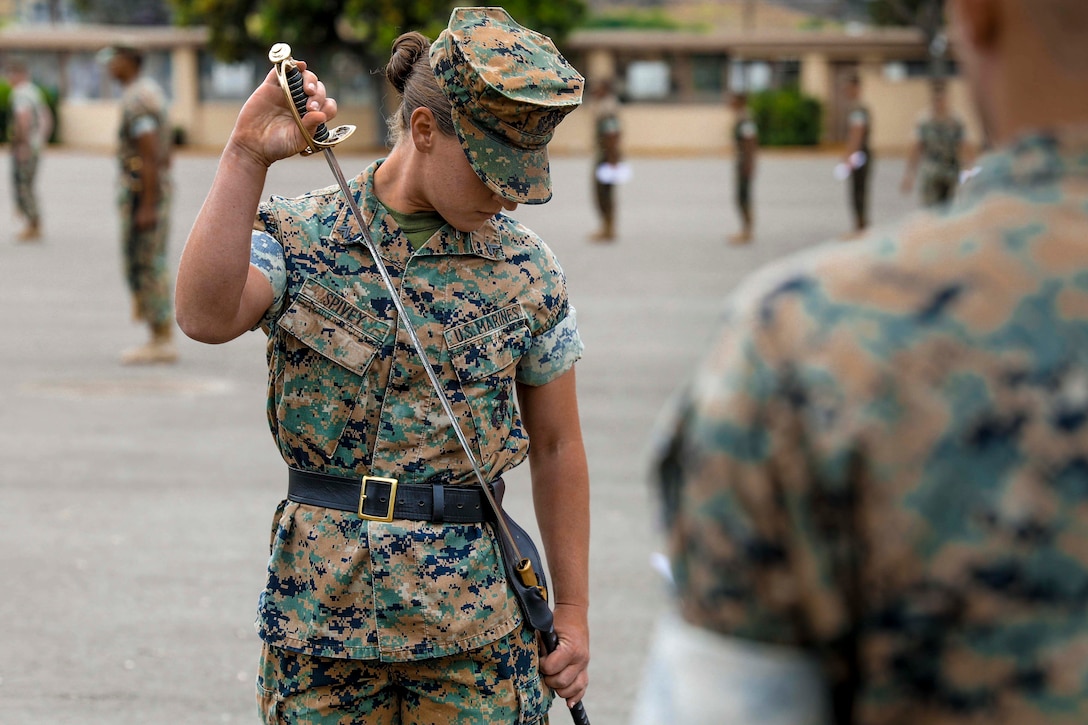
[{"x": 418, "y": 227}]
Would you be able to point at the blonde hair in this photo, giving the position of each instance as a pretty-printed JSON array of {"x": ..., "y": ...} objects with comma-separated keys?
[{"x": 409, "y": 71}]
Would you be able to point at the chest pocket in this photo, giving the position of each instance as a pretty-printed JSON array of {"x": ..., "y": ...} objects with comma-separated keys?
[
  {"x": 485, "y": 353},
  {"x": 328, "y": 346}
]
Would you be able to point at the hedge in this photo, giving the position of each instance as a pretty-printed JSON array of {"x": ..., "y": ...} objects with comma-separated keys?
[{"x": 786, "y": 118}]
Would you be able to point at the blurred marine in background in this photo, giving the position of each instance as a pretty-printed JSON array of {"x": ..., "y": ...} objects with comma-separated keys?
[
  {"x": 876, "y": 485},
  {"x": 31, "y": 125},
  {"x": 144, "y": 150}
]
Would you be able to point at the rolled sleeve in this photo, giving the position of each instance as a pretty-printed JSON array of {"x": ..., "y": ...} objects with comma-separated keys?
[
  {"x": 266, "y": 254},
  {"x": 553, "y": 352}
]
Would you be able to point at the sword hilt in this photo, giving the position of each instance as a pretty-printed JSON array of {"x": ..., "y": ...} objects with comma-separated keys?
[
  {"x": 290, "y": 78},
  {"x": 578, "y": 710}
]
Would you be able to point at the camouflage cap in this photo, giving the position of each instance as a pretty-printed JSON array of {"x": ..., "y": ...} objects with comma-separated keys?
[{"x": 509, "y": 88}]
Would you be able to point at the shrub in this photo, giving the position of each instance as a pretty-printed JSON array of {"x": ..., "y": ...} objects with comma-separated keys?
[
  {"x": 5, "y": 110},
  {"x": 52, "y": 99},
  {"x": 786, "y": 118}
]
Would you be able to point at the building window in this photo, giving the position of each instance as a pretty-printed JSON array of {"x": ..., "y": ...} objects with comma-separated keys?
[
  {"x": 708, "y": 74},
  {"x": 750, "y": 76},
  {"x": 221, "y": 81},
  {"x": 85, "y": 78},
  {"x": 758, "y": 75},
  {"x": 648, "y": 80},
  {"x": 901, "y": 70}
]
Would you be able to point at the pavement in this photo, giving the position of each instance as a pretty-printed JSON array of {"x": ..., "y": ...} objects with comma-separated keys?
[{"x": 137, "y": 502}]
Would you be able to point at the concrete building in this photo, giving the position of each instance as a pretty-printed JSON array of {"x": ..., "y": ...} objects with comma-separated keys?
[
  {"x": 675, "y": 83},
  {"x": 685, "y": 79}
]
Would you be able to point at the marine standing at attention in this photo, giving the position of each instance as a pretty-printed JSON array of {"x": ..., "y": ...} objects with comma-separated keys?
[{"x": 144, "y": 150}]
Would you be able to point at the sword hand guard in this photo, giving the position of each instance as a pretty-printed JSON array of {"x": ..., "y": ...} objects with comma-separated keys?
[{"x": 291, "y": 82}]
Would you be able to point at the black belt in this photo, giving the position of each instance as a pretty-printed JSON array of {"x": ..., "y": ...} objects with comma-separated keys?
[{"x": 384, "y": 499}]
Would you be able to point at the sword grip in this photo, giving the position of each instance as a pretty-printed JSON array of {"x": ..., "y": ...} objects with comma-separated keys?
[
  {"x": 298, "y": 97},
  {"x": 577, "y": 711},
  {"x": 290, "y": 78}
]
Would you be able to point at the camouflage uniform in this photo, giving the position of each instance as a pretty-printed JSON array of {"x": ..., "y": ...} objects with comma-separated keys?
[
  {"x": 883, "y": 461},
  {"x": 859, "y": 115},
  {"x": 26, "y": 153},
  {"x": 743, "y": 129},
  {"x": 146, "y": 270},
  {"x": 607, "y": 131},
  {"x": 354, "y": 607},
  {"x": 940, "y": 141}
]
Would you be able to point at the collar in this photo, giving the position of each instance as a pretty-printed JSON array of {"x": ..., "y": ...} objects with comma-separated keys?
[
  {"x": 487, "y": 241},
  {"x": 1037, "y": 157}
]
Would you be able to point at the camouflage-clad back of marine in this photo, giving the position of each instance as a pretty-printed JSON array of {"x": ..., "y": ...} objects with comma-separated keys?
[
  {"x": 347, "y": 395},
  {"x": 884, "y": 461}
]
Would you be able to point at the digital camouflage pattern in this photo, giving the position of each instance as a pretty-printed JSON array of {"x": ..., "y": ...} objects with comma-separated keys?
[
  {"x": 143, "y": 252},
  {"x": 348, "y": 396},
  {"x": 884, "y": 461},
  {"x": 27, "y": 98},
  {"x": 497, "y": 683},
  {"x": 509, "y": 87},
  {"x": 940, "y": 140}
]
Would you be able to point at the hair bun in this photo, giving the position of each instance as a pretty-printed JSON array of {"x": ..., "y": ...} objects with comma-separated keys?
[{"x": 407, "y": 50}]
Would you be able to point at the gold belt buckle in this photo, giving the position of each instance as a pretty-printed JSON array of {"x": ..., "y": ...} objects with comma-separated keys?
[{"x": 392, "y": 498}]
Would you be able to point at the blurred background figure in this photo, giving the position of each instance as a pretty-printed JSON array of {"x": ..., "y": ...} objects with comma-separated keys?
[
  {"x": 938, "y": 152},
  {"x": 144, "y": 155},
  {"x": 609, "y": 171},
  {"x": 859, "y": 155},
  {"x": 31, "y": 125},
  {"x": 878, "y": 476},
  {"x": 745, "y": 146}
]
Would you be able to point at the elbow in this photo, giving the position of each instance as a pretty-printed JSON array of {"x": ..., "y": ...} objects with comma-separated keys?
[{"x": 200, "y": 329}]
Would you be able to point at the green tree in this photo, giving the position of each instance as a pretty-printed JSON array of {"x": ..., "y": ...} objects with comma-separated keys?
[
  {"x": 367, "y": 28},
  {"x": 926, "y": 15},
  {"x": 320, "y": 31},
  {"x": 786, "y": 118}
]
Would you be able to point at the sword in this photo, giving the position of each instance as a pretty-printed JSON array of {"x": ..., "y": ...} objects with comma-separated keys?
[{"x": 323, "y": 139}]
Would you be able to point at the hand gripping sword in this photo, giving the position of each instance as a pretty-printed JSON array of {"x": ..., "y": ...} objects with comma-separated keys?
[{"x": 324, "y": 139}]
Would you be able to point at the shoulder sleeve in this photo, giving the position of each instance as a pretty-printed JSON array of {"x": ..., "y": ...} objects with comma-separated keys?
[
  {"x": 266, "y": 254},
  {"x": 146, "y": 110}
]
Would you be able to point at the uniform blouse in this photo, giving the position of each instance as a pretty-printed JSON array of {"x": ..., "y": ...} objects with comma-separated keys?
[
  {"x": 347, "y": 395},
  {"x": 884, "y": 460}
]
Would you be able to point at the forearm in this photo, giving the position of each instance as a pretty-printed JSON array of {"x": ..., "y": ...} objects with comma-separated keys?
[
  {"x": 750, "y": 149},
  {"x": 561, "y": 499},
  {"x": 149, "y": 184},
  {"x": 853, "y": 141},
  {"x": 214, "y": 265},
  {"x": 21, "y": 125}
]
